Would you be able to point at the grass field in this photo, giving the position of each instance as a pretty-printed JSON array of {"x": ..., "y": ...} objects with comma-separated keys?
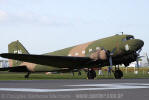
[{"x": 128, "y": 73}]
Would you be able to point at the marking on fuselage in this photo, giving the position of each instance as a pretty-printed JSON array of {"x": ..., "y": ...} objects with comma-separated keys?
[
  {"x": 17, "y": 51},
  {"x": 79, "y": 49},
  {"x": 83, "y": 52},
  {"x": 76, "y": 54},
  {"x": 90, "y": 50},
  {"x": 30, "y": 66},
  {"x": 127, "y": 47},
  {"x": 83, "y": 87}
]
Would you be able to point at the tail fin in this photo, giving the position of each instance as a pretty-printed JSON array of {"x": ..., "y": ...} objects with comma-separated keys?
[{"x": 18, "y": 48}]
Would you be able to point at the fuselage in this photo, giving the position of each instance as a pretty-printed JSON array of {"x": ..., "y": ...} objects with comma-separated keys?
[{"x": 125, "y": 53}]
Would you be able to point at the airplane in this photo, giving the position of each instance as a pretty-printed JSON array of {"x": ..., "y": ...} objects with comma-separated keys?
[{"x": 110, "y": 51}]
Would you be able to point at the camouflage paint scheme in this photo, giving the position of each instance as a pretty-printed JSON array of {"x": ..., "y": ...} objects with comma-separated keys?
[{"x": 125, "y": 46}]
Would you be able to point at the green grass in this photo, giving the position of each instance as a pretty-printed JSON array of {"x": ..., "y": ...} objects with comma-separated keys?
[
  {"x": 39, "y": 76},
  {"x": 143, "y": 73}
]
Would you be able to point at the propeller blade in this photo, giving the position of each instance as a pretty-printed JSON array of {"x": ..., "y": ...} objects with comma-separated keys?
[
  {"x": 114, "y": 50},
  {"x": 110, "y": 60},
  {"x": 112, "y": 53},
  {"x": 147, "y": 58},
  {"x": 140, "y": 56},
  {"x": 139, "y": 51},
  {"x": 137, "y": 61}
]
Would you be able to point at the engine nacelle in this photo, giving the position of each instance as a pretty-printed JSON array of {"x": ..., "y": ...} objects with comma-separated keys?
[{"x": 99, "y": 54}]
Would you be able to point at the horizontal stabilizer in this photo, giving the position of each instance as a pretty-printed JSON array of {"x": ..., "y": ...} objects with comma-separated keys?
[{"x": 15, "y": 69}]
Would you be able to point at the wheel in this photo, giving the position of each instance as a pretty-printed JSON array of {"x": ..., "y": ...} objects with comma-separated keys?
[
  {"x": 118, "y": 74},
  {"x": 27, "y": 75},
  {"x": 91, "y": 74}
]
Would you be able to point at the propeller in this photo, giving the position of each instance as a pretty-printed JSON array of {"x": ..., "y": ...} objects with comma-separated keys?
[
  {"x": 147, "y": 58},
  {"x": 109, "y": 55},
  {"x": 137, "y": 60},
  {"x": 139, "y": 51},
  {"x": 138, "y": 57}
]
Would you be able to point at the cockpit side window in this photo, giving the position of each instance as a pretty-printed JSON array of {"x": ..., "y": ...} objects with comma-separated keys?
[{"x": 128, "y": 38}]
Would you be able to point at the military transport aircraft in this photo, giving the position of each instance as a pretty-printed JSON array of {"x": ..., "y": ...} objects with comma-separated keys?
[{"x": 110, "y": 51}]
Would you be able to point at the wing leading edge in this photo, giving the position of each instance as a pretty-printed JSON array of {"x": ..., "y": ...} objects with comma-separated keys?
[{"x": 50, "y": 60}]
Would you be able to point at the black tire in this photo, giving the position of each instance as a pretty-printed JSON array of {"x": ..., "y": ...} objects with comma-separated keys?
[
  {"x": 26, "y": 76},
  {"x": 118, "y": 74},
  {"x": 91, "y": 74}
]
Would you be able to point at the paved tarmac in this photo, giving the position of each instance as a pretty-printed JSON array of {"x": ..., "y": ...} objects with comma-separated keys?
[{"x": 104, "y": 89}]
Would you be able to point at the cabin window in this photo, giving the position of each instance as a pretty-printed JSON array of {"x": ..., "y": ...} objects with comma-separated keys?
[
  {"x": 90, "y": 50},
  {"x": 130, "y": 38},
  {"x": 83, "y": 52},
  {"x": 76, "y": 54}
]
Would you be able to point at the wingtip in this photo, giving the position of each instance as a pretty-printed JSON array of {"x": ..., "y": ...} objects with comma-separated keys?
[{"x": 3, "y": 54}]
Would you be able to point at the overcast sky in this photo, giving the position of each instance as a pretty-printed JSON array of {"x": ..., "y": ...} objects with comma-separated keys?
[{"x": 48, "y": 25}]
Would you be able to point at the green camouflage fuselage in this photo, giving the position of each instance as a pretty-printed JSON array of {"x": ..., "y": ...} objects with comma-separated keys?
[{"x": 124, "y": 44}]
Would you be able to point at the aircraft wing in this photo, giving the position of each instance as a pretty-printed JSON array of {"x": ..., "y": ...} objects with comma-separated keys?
[{"x": 50, "y": 60}]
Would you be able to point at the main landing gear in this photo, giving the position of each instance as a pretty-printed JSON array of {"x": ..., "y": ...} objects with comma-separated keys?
[
  {"x": 118, "y": 74},
  {"x": 27, "y": 75},
  {"x": 91, "y": 74}
]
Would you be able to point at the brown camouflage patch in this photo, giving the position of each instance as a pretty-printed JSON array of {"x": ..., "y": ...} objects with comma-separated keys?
[
  {"x": 10, "y": 62},
  {"x": 30, "y": 66},
  {"x": 77, "y": 50}
]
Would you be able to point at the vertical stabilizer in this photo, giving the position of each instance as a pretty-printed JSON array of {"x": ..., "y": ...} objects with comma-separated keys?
[{"x": 17, "y": 48}]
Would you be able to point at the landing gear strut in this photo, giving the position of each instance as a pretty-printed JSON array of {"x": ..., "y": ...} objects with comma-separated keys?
[
  {"x": 79, "y": 73},
  {"x": 27, "y": 75},
  {"x": 118, "y": 74}
]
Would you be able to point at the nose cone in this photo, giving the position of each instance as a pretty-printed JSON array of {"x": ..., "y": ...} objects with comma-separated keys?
[
  {"x": 139, "y": 43},
  {"x": 136, "y": 45}
]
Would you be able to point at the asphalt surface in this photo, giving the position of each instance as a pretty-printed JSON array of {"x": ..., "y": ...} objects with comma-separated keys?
[{"x": 104, "y": 89}]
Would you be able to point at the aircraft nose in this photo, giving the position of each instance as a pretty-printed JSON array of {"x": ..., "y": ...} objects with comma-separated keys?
[
  {"x": 134, "y": 45},
  {"x": 139, "y": 43}
]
